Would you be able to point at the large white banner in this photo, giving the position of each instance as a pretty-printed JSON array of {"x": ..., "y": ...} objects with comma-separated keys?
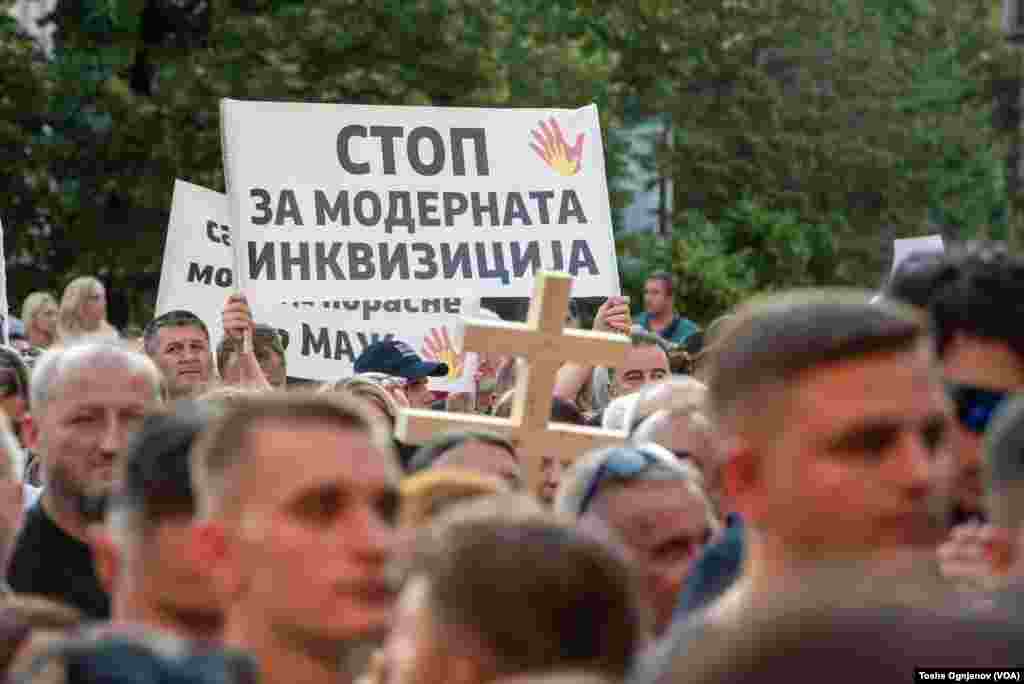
[
  {"x": 324, "y": 338},
  {"x": 395, "y": 207}
]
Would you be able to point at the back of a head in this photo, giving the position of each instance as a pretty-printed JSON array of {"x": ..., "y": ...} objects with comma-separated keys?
[
  {"x": 431, "y": 453},
  {"x": 917, "y": 278},
  {"x": 1004, "y": 466},
  {"x": 773, "y": 340},
  {"x": 866, "y": 643},
  {"x": 980, "y": 293},
  {"x": 156, "y": 483},
  {"x": 536, "y": 594}
]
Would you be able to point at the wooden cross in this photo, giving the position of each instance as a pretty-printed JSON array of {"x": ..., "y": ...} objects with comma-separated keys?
[{"x": 545, "y": 344}]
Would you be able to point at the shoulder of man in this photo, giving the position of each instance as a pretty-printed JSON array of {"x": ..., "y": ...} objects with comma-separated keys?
[
  {"x": 682, "y": 328},
  {"x": 657, "y": 664}
]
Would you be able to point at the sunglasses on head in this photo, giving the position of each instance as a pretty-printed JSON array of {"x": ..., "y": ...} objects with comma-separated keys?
[
  {"x": 622, "y": 464},
  {"x": 975, "y": 406}
]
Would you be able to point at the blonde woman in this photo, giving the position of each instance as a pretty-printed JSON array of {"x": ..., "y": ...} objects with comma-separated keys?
[
  {"x": 39, "y": 312},
  {"x": 83, "y": 310}
]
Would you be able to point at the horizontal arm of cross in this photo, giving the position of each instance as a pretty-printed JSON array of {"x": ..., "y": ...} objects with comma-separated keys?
[
  {"x": 517, "y": 339},
  {"x": 416, "y": 427}
]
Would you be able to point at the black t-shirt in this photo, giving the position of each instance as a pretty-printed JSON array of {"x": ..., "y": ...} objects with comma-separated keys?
[{"x": 49, "y": 562}]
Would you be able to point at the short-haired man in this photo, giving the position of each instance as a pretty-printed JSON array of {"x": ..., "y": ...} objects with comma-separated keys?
[
  {"x": 298, "y": 554},
  {"x": 659, "y": 310},
  {"x": 646, "y": 364},
  {"x": 179, "y": 343},
  {"x": 831, "y": 420},
  {"x": 269, "y": 350},
  {"x": 654, "y": 504},
  {"x": 142, "y": 554},
  {"x": 400, "y": 360},
  {"x": 491, "y": 596},
  {"x": 476, "y": 451},
  {"x": 86, "y": 401}
]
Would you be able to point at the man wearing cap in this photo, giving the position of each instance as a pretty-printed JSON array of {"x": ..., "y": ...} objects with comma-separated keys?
[{"x": 400, "y": 360}]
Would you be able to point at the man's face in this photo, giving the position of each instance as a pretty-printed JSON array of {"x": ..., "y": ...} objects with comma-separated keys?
[
  {"x": 415, "y": 652},
  {"x": 85, "y": 426},
  {"x": 183, "y": 355},
  {"x": 313, "y": 541},
  {"x": 645, "y": 364},
  {"x": 484, "y": 458},
  {"x": 665, "y": 526},
  {"x": 851, "y": 461},
  {"x": 656, "y": 298},
  {"x": 420, "y": 397},
  {"x": 169, "y": 576},
  {"x": 987, "y": 364}
]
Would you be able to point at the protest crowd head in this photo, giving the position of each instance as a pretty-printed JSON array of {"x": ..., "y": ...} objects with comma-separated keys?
[
  {"x": 142, "y": 554},
  {"x": 39, "y": 314},
  {"x": 179, "y": 343},
  {"x": 326, "y": 531},
  {"x": 87, "y": 400},
  {"x": 83, "y": 310},
  {"x": 654, "y": 503}
]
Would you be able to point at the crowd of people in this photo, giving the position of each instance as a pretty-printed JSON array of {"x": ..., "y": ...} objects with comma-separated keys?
[{"x": 832, "y": 483}]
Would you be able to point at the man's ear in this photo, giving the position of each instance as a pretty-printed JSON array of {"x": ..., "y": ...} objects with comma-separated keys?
[
  {"x": 211, "y": 551},
  {"x": 742, "y": 478},
  {"x": 1001, "y": 550},
  {"x": 30, "y": 432},
  {"x": 106, "y": 557}
]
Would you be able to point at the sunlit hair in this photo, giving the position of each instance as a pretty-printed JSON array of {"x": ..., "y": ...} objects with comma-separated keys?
[
  {"x": 69, "y": 320},
  {"x": 368, "y": 387},
  {"x": 33, "y": 304},
  {"x": 427, "y": 494}
]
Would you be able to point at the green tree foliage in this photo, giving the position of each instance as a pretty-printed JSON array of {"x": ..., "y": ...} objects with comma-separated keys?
[
  {"x": 805, "y": 134},
  {"x": 811, "y": 134}
]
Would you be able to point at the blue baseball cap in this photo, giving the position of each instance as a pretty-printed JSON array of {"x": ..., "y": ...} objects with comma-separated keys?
[{"x": 399, "y": 359}]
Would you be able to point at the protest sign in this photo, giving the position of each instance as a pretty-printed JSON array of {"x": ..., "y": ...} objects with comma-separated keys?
[
  {"x": 930, "y": 244},
  {"x": 324, "y": 337},
  {"x": 196, "y": 274},
  {"x": 391, "y": 206}
]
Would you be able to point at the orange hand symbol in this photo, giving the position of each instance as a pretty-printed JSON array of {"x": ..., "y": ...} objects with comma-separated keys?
[
  {"x": 438, "y": 347},
  {"x": 550, "y": 146}
]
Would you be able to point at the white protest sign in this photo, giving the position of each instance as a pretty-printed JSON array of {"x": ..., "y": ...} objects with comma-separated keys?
[
  {"x": 3, "y": 289},
  {"x": 397, "y": 206},
  {"x": 196, "y": 272},
  {"x": 929, "y": 244},
  {"x": 323, "y": 342}
]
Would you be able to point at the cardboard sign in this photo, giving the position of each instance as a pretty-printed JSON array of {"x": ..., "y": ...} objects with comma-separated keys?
[
  {"x": 409, "y": 204},
  {"x": 325, "y": 336},
  {"x": 930, "y": 244}
]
